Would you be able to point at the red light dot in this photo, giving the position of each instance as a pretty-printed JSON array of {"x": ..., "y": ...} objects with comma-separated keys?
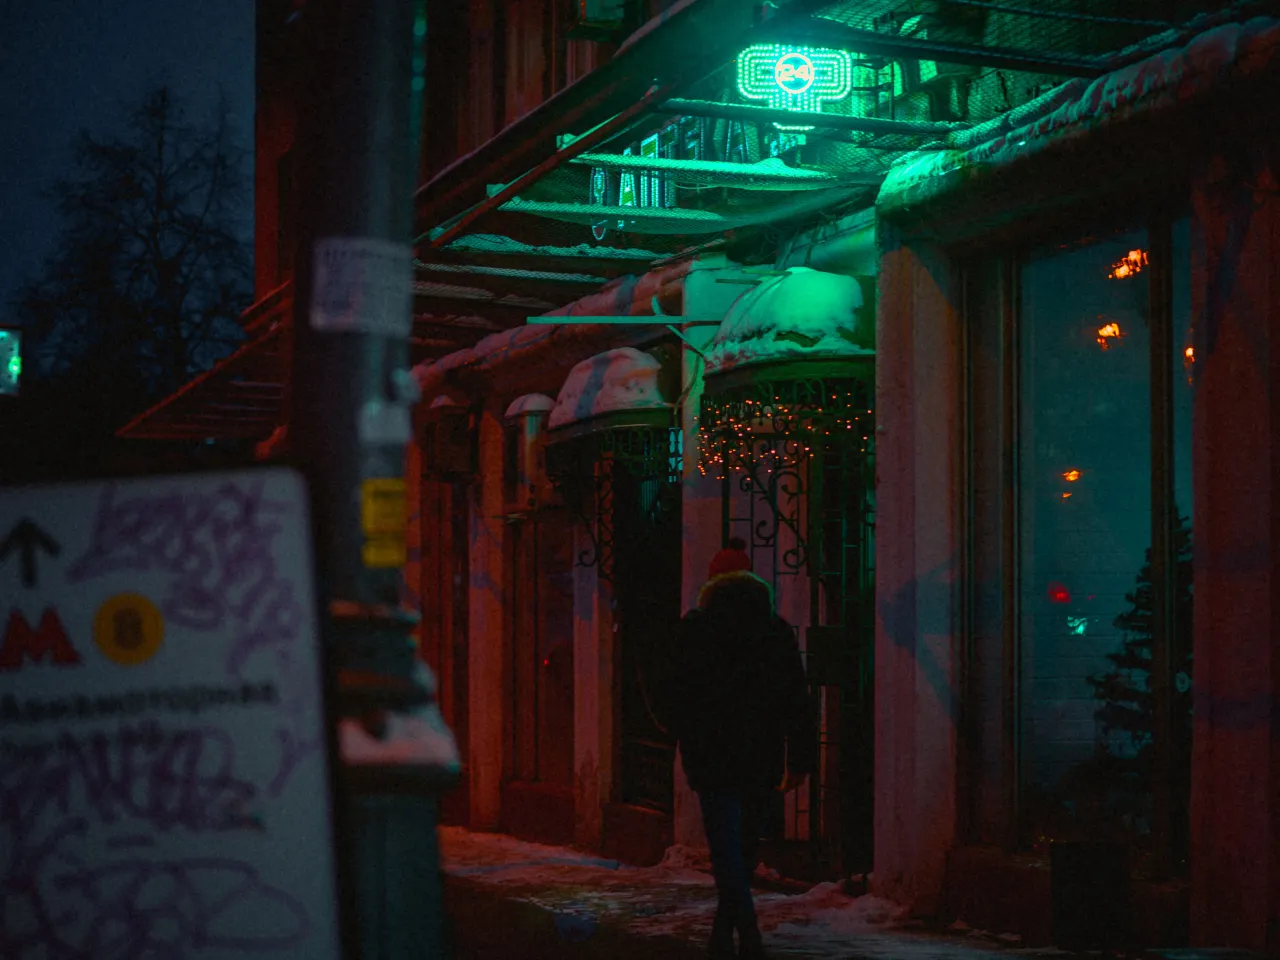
[{"x": 1059, "y": 594}]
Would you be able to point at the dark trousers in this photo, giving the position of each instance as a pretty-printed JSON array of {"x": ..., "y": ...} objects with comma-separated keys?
[{"x": 733, "y": 821}]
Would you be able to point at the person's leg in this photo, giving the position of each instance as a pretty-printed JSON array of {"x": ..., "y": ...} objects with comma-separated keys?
[
  {"x": 753, "y": 817},
  {"x": 722, "y": 820}
]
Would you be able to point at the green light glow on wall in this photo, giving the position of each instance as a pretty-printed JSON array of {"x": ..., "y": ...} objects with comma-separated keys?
[
  {"x": 794, "y": 78},
  {"x": 10, "y": 362},
  {"x": 915, "y": 27}
]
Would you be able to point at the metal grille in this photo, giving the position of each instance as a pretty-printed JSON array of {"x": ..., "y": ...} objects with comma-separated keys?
[
  {"x": 795, "y": 456},
  {"x": 587, "y": 468}
]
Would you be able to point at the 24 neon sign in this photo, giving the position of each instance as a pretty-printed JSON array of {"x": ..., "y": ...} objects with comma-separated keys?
[
  {"x": 794, "y": 78},
  {"x": 794, "y": 73}
]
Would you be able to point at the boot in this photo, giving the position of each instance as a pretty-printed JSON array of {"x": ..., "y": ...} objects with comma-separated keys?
[
  {"x": 750, "y": 944},
  {"x": 721, "y": 945}
]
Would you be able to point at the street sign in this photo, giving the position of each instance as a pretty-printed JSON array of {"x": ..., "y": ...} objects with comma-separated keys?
[{"x": 164, "y": 780}]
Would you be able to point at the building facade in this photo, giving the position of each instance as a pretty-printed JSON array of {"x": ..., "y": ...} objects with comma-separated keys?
[{"x": 978, "y": 364}]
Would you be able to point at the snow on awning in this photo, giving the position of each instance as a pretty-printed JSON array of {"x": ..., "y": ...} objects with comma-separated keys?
[
  {"x": 529, "y": 403},
  {"x": 1168, "y": 80},
  {"x": 797, "y": 315},
  {"x": 618, "y": 381}
]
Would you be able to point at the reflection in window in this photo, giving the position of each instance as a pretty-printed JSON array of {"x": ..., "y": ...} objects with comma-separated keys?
[{"x": 1084, "y": 441}]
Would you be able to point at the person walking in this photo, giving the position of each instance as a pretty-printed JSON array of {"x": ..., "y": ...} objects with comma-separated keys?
[{"x": 739, "y": 708}]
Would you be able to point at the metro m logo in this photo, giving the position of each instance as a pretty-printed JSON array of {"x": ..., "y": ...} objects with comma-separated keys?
[{"x": 21, "y": 643}]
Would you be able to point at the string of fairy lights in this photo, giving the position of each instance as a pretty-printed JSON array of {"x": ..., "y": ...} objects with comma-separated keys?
[{"x": 781, "y": 430}]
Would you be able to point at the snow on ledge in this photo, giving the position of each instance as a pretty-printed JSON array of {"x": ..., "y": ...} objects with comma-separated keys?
[
  {"x": 802, "y": 314},
  {"x": 1163, "y": 81},
  {"x": 609, "y": 382}
]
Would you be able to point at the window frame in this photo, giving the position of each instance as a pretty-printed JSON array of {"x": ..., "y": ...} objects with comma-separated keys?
[{"x": 1006, "y": 263}]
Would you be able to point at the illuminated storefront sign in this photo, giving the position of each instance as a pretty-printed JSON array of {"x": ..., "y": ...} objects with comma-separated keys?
[
  {"x": 10, "y": 361},
  {"x": 794, "y": 78}
]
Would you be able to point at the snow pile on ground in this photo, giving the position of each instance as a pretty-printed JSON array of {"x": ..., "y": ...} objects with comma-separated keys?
[
  {"x": 679, "y": 857},
  {"x": 826, "y": 906},
  {"x": 609, "y": 382},
  {"x": 803, "y": 313},
  {"x": 502, "y": 859}
]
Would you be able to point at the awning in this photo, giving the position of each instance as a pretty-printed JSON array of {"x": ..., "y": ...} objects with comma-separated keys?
[
  {"x": 800, "y": 314},
  {"x": 510, "y": 229},
  {"x": 624, "y": 382}
]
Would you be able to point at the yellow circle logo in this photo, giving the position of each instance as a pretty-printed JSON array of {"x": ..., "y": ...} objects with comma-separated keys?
[{"x": 128, "y": 629}]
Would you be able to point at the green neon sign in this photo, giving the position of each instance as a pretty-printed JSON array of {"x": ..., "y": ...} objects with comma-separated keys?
[
  {"x": 10, "y": 362},
  {"x": 794, "y": 78}
]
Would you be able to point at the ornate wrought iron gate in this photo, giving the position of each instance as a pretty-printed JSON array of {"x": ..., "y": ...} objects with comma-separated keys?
[
  {"x": 624, "y": 483},
  {"x": 794, "y": 448}
]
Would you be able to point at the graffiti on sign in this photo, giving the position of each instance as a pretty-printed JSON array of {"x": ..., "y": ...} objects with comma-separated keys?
[{"x": 163, "y": 791}]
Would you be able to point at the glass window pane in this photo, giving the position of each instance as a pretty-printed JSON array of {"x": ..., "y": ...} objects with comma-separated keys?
[{"x": 1084, "y": 520}]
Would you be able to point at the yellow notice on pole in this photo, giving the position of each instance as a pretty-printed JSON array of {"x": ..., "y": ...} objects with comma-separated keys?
[
  {"x": 384, "y": 520},
  {"x": 382, "y": 507},
  {"x": 384, "y": 552}
]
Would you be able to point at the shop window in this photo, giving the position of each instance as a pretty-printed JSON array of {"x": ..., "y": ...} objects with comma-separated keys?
[
  {"x": 1079, "y": 545},
  {"x": 1084, "y": 506}
]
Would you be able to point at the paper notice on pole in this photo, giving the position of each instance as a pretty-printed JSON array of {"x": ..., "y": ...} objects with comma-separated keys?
[
  {"x": 164, "y": 778},
  {"x": 362, "y": 285}
]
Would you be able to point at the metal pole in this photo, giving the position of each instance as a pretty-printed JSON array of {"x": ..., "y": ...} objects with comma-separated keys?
[{"x": 349, "y": 424}]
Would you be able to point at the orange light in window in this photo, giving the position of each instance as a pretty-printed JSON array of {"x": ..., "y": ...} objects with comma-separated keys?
[
  {"x": 1108, "y": 334},
  {"x": 1071, "y": 476},
  {"x": 1130, "y": 265},
  {"x": 1066, "y": 496}
]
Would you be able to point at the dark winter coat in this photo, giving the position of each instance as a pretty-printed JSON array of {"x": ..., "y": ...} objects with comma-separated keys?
[{"x": 737, "y": 701}]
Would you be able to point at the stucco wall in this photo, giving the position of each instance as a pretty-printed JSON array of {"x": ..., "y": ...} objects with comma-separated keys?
[
  {"x": 487, "y": 622},
  {"x": 1235, "y": 801},
  {"x": 917, "y": 560},
  {"x": 593, "y": 710}
]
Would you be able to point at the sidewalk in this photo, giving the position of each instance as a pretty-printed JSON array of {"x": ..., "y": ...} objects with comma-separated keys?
[{"x": 511, "y": 899}]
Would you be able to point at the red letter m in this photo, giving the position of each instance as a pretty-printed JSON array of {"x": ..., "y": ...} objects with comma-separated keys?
[{"x": 21, "y": 642}]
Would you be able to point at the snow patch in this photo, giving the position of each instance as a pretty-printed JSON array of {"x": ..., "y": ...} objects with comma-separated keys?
[
  {"x": 498, "y": 243},
  {"x": 803, "y": 313},
  {"x": 529, "y": 403},
  {"x": 681, "y": 857},
  {"x": 1164, "y": 80},
  {"x": 670, "y": 899},
  {"x": 609, "y": 382}
]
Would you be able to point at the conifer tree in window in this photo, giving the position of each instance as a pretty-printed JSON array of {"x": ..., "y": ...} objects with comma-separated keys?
[{"x": 1124, "y": 692}]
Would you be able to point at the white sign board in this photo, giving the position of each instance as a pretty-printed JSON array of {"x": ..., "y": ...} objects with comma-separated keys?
[
  {"x": 362, "y": 285},
  {"x": 164, "y": 786}
]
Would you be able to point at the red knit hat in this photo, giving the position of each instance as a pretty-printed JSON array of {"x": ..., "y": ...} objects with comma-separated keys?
[{"x": 734, "y": 557}]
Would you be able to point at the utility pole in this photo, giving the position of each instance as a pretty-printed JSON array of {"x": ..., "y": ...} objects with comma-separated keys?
[{"x": 352, "y": 394}]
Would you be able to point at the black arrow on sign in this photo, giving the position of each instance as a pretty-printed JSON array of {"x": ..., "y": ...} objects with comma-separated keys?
[{"x": 29, "y": 539}]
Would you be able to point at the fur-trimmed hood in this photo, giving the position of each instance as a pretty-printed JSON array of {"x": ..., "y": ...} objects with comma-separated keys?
[{"x": 740, "y": 591}]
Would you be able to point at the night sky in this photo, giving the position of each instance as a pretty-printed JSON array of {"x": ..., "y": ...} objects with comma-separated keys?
[{"x": 72, "y": 64}]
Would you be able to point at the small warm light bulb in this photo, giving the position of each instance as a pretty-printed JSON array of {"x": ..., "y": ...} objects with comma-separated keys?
[{"x": 1071, "y": 476}]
